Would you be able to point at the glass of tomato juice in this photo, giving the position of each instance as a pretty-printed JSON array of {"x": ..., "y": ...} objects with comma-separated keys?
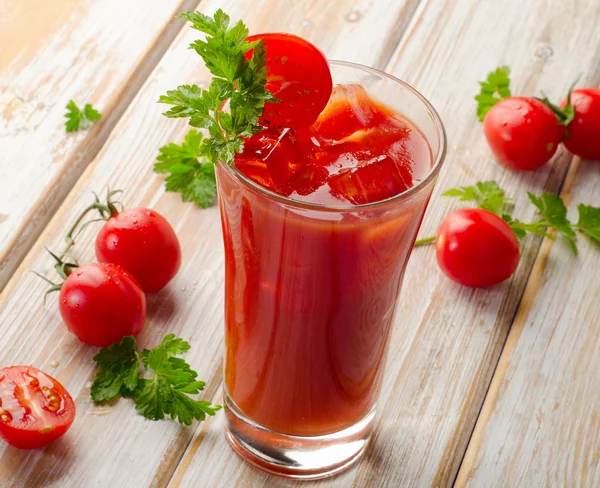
[{"x": 312, "y": 284}]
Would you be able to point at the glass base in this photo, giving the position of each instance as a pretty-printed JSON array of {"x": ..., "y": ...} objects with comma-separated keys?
[{"x": 295, "y": 456}]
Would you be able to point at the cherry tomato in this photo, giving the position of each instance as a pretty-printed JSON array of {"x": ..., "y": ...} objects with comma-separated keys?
[
  {"x": 144, "y": 243},
  {"x": 299, "y": 76},
  {"x": 35, "y": 409},
  {"x": 584, "y": 131},
  {"x": 101, "y": 303},
  {"x": 476, "y": 248},
  {"x": 522, "y": 132}
]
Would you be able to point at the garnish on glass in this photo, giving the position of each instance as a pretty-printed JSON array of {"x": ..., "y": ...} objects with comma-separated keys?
[
  {"x": 260, "y": 81},
  {"x": 230, "y": 108}
]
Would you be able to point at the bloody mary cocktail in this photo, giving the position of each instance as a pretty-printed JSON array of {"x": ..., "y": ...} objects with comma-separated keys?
[{"x": 318, "y": 225}]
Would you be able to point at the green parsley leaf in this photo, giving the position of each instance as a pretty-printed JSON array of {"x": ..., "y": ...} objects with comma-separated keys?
[
  {"x": 494, "y": 89},
  {"x": 206, "y": 24},
  {"x": 553, "y": 214},
  {"x": 486, "y": 194},
  {"x": 236, "y": 80},
  {"x": 159, "y": 398},
  {"x": 172, "y": 154},
  {"x": 166, "y": 393},
  {"x": 170, "y": 346},
  {"x": 589, "y": 221},
  {"x": 188, "y": 170},
  {"x": 118, "y": 373},
  {"x": 521, "y": 228},
  {"x": 240, "y": 82},
  {"x": 80, "y": 119}
]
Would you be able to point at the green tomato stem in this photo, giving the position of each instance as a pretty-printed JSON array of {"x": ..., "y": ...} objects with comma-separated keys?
[{"x": 424, "y": 241}]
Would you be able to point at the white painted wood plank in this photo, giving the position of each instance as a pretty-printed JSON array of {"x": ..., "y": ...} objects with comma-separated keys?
[
  {"x": 447, "y": 339},
  {"x": 123, "y": 449},
  {"x": 50, "y": 52},
  {"x": 540, "y": 421}
]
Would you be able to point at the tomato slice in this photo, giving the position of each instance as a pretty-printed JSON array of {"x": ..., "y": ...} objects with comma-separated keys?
[
  {"x": 35, "y": 409},
  {"x": 299, "y": 76}
]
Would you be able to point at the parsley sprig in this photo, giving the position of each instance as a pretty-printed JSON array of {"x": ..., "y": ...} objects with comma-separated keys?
[
  {"x": 486, "y": 194},
  {"x": 78, "y": 118},
  {"x": 552, "y": 213},
  {"x": 589, "y": 221},
  {"x": 229, "y": 109},
  {"x": 495, "y": 88},
  {"x": 165, "y": 393},
  {"x": 188, "y": 172}
]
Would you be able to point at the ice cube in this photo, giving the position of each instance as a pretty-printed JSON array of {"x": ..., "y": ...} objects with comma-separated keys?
[
  {"x": 350, "y": 109},
  {"x": 379, "y": 179},
  {"x": 275, "y": 148},
  {"x": 307, "y": 180},
  {"x": 256, "y": 170}
]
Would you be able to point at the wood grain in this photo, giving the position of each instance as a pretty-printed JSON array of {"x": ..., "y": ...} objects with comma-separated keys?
[
  {"x": 121, "y": 448},
  {"x": 540, "y": 424},
  {"x": 447, "y": 339},
  {"x": 50, "y": 52}
]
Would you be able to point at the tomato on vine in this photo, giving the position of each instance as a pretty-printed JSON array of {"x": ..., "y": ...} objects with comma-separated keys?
[
  {"x": 522, "y": 132},
  {"x": 138, "y": 239},
  {"x": 101, "y": 303},
  {"x": 144, "y": 243}
]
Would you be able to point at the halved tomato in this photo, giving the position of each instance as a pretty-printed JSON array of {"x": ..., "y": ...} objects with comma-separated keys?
[
  {"x": 299, "y": 76},
  {"x": 35, "y": 409}
]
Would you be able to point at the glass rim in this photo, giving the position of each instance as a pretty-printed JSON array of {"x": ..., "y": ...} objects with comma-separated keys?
[{"x": 433, "y": 171}]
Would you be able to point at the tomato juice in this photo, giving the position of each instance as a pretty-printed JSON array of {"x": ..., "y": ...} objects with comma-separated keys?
[{"x": 314, "y": 259}]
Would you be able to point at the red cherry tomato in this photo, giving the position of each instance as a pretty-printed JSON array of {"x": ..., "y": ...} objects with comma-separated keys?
[
  {"x": 584, "y": 131},
  {"x": 144, "y": 243},
  {"x": 35, "y": 409},
  {"x": 299, "y": 76},
  {"x": 476, "y": 248},
  {"x": 101, "y": 303},
  {"x": 522, "y": 132}
]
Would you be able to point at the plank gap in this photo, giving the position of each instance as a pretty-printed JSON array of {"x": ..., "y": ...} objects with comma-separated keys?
[
  {"x": 533, "y": 252},
  {"x": 404, "y": 20}
]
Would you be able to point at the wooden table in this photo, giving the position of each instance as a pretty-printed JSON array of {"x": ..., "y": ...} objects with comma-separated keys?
[{"x": 495, "y": 387}]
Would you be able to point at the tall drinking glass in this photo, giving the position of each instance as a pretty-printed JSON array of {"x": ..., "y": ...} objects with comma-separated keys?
[{"x": 310, "y": 295}]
